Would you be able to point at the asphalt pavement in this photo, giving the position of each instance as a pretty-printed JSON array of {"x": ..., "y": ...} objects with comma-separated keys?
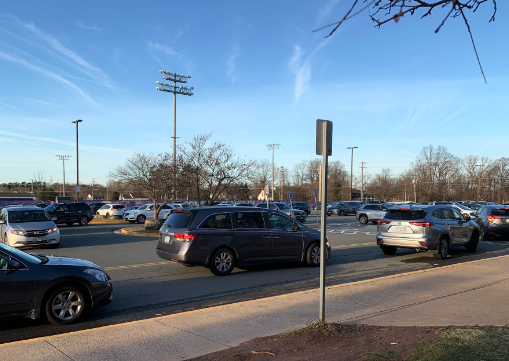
[
  {"x": 461, "y": 294},
  {"x": 146, "y": 286}
]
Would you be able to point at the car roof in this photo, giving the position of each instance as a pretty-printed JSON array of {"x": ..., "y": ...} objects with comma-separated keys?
[{"x": 22, "y": 208}]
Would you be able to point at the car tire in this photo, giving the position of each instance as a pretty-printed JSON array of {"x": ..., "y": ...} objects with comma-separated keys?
[
  {"x": 442, "y": 250},
  {"x": 107, "y": 215},
  {"x": 59, "y": 312},
  {"x": 140, "y": 219},
  {"x": 70, "y": 223},
  {"x": 471, "y": 245},
  {"x": 313, "y": 255},
  {"x": 341, "y": 213},
  {"x": 388, "y": 250},
  {"x": 222, "y": 262},
  {"x": 83, "y": 221},
  {"x": 483, "y": 236},
  {"x": 363, "y": 219}
]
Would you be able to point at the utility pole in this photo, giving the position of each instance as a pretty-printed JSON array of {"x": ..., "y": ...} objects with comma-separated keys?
[
  {"x": 320, "y": 182},
  {"x": 93, "y": 184},
  {"x": 272, "y": 147},
  {"x": 362, "y": 181},
  {"x": 165, "y": 87},
  {"x": 479, "y": 187},
  {"x": 63, "y": 158},
  {"x": 282, "y": 181},
  {"x": 415, "y": 189},
  {"x": 351, "y": 171},
  {"x": 448, "y": 180}
]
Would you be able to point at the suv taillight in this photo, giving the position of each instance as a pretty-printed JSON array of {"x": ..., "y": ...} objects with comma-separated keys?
[
  {"x": 492, "y": 218},
  {"x": 422, "y": 224},
  {"x": 384, "y": 222}
]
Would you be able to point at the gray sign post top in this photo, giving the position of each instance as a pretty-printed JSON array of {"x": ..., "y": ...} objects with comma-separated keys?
[{"x": 322, "y": 137}]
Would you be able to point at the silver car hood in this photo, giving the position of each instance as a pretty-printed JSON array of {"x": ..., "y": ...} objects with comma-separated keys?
[{"x": 33, "y": 226}]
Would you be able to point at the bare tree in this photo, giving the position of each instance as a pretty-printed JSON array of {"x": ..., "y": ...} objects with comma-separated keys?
[
  {"x": 151, "y": 173},
  {"x": 384, "y": 11},
  {"x": 213, "y": 168},
  {"x": 384, "y": 185}
]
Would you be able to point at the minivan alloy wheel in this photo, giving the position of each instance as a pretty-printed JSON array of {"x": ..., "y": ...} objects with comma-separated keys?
[{"x": 223, "y": 261}]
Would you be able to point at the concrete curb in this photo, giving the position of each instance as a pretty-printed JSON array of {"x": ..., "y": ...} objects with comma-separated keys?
[
  {"x": 131, "y": 233},
  {"x": 102, "y": 222}
]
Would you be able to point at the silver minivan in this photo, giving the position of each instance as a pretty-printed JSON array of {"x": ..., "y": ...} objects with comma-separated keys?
[
  {"x": 426, "y": 228},
  {"x": 28, "y": 227}
]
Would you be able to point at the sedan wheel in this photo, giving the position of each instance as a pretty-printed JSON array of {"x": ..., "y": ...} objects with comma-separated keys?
[
  {"x": 222, "y": 262},
  {"x": 65, "y": 305},
  {"x": 140, "y": 219},
  {"x": 83, "y": 221}
]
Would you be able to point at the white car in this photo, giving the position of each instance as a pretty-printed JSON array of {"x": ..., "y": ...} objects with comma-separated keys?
[
  {"x": 111, "y": 210},
  {"x": 147, "y": 211}
]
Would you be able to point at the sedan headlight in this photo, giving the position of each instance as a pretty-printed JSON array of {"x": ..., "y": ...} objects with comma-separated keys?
[
  {"x": 100, "y": 275},
  {"x": 52, "y": 230},
  {"x": 17, "y": 232}
]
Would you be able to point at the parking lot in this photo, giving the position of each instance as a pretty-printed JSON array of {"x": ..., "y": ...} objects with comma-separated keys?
[{"x": 146, "y": 286}]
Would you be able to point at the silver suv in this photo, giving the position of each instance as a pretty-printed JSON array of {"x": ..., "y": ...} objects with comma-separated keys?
[
  {"x": 428, "y": 228},
  {"x": 371, "y": 213}
]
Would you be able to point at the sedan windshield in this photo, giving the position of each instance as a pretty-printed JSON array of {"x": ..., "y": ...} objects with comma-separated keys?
[{"x": 28, "y": 216}]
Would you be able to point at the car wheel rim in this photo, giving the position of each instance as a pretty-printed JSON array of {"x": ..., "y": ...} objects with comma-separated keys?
[
  {"x": 315, "y": 255},
  {"x": 84, "y": 221},
  {"x": 66, "y": 305},
  {"x": 223, "y": 262},
  {"x": 444, "y": 248}
]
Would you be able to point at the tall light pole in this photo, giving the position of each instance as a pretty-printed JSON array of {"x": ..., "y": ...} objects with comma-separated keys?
[
  {"x": 273, "y": 146},
  {"x": 169, "y": 88},
  {"x": 362, "y": 181},
  {"x": 63, "y": 158},
  {"x": 351, "y": 171},
  {"x": 77, "y": 121},
  {"x": 479, "y": 187}
]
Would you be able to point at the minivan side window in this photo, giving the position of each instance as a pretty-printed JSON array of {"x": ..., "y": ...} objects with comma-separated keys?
[
  {"x": 222, "y": 221},
  {"x": 278, "y": 221},
  {"x": 250, "y": 220}
]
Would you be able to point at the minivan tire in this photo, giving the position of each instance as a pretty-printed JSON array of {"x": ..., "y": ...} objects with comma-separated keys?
[
  {"x": 313, "y": 255},
  {"x": 222, "y": 262},
  {"x": 442, "y": 250},
  {"x": 83, "y": 221},
  {"x": 363, "y": 219},
  {"x": 471, "y": 245}
]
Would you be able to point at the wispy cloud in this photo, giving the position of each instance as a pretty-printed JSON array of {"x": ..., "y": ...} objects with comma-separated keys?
[
  {"x": 82, "y": 25},
  {"x": 231, "y": 63},
  {"x": 48, "y": 73},
  {"x": 179, "y": 34},
  {"x": 326, "y": 9},
  {"x": 156, "y": 50},
  {"x": 40, "y": 101}
]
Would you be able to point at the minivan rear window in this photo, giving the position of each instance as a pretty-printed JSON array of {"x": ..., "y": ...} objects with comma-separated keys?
[
  {"x": 405, "y": 214},
  {"x": 504, "y": 212},
  {"x": 179, "y": 219}
]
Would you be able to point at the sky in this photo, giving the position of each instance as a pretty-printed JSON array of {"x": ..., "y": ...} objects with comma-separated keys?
[{"x": 260, "y": 76}]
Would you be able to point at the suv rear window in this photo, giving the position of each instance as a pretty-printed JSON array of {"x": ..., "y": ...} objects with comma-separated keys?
[
  {"x": 504, "y": 212},
  {"x": 405, "y": 214},
  {"x": 179, "y": 219}
]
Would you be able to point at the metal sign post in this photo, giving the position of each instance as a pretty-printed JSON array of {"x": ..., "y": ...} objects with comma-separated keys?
[{"x": 323, "y": 148}]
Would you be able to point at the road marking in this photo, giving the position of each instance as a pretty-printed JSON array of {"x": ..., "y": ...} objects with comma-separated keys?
[
  {"x": 136, "y": 265},
  {"x": 371, "y": 280},
  {"x": 82, "y": 234}
]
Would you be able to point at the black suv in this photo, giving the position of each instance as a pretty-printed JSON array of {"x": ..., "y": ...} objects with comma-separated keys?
[
  {"x": 70, "y": 213},
  {"x": 492, "y": 221},
  {"x": 221, "y": 238},
  {"x": 95, "y": 207},
  {"x": 303, "y": 206}
]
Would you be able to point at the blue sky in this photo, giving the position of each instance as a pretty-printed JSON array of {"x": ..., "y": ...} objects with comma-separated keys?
[{"x": 260, "y": 76}]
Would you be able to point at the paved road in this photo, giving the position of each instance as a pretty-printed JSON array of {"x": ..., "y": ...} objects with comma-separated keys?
[{"x": 146, "y": 286}]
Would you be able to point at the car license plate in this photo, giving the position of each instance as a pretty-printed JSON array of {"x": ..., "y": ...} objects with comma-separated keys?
[
  {"x": 395, "y": 229},
  {"x": 35, "y": 239}
]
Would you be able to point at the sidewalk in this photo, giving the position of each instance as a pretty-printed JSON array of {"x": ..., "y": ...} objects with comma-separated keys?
[{"x": 471, "y": 293}]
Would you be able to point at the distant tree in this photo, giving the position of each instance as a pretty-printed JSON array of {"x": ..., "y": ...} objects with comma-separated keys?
[{"x": 46, "y": 194}]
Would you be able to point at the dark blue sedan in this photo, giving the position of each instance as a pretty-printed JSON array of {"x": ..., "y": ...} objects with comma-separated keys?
[{"x": 61, "y": 289}]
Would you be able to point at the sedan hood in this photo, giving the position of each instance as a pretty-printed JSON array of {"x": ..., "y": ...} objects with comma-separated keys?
[
  {"x": 67, "y": 261},
  {"x": 33, "y": 226}
]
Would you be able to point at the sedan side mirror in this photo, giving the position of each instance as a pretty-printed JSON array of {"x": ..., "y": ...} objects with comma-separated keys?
[
  {"x": 54, "y": 219},
  {"x": 13, "y": 265}
]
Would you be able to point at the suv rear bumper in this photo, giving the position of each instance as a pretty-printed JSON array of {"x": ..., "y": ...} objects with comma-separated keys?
[{"x": 424, "y": 242}]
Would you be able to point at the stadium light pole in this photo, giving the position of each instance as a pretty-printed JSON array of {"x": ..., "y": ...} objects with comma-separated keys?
[
  {"x": 273, "y": 146},
  {"x": 166, "y": 87},
  {"x": 351, "y": 171},
  {"x": 63, "y": 158},
  {"x": 77, "y": 121}
]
